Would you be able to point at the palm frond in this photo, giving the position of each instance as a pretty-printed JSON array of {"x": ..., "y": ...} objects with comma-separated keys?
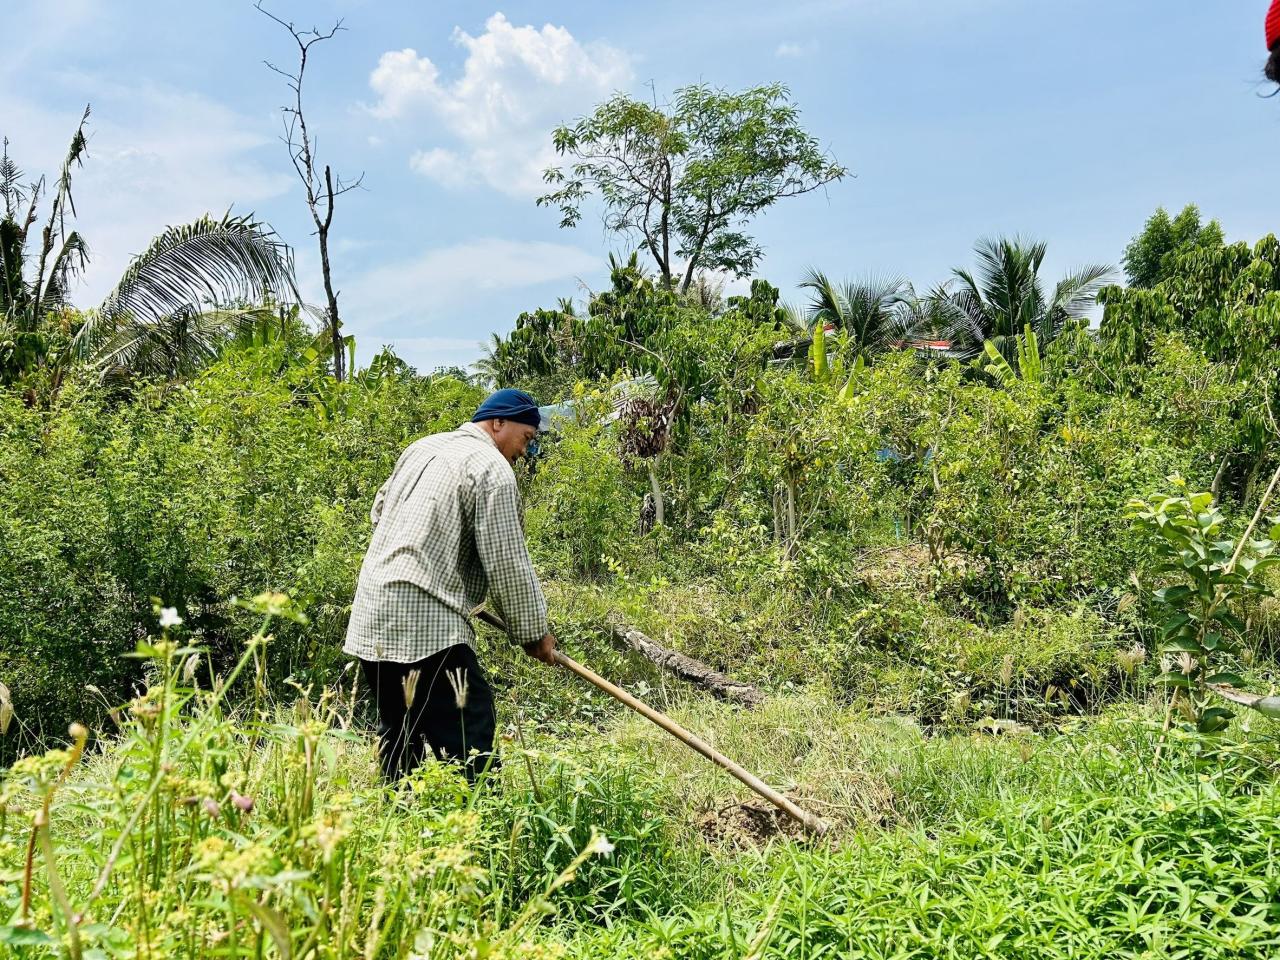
[
  {"x": 825, "y": 304},
  {"x": 74, "y": 158},
  {"x": 14, "y": 295},
  {"x": 208, "y": 262},
  {"x": 1077, "y": 293},
  {"x": 793, "y": 315},
  {"x": 172, "y": 347},
  {"x": 70, "y": 261}
]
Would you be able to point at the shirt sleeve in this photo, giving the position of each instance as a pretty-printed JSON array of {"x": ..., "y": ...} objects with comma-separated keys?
[
  {"x": 513, "y": 584},
  {"x": 379, "y": 498}
]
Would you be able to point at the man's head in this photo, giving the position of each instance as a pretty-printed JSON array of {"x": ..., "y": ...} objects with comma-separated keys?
[{"x": 512, "y": 419}]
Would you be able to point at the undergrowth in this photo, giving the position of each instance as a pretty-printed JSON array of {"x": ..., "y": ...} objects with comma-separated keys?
[{"x": 206, "y": 829}]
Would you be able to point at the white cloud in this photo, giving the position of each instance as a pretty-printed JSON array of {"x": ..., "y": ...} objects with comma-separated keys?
[
  {"x": 156, "y": 157},
  {"x": 441, "y": 165},
  {"x": 439, "y": 289},
  {"x": 515, "y": 85},
  {"x": 795, "y": 51},
  {"x": 406, "y": 293}
]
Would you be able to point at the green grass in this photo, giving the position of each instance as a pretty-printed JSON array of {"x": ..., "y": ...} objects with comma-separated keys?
[{"x": 223, "y": 823}]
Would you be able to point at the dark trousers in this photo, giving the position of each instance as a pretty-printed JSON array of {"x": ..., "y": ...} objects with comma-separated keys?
[{"x": 417, "y": 712}]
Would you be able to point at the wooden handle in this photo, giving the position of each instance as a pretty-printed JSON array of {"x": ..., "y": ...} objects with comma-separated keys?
[{"x": 811, "y": 822}]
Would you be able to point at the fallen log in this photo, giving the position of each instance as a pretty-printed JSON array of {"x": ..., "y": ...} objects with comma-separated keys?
[{"x": 687, "y": 668}]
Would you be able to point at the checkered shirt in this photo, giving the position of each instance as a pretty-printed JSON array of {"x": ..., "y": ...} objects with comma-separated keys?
[{"x": 447, "y": 530}]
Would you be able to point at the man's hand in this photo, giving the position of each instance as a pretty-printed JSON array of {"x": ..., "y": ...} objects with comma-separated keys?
[{"x": 544, "y": 649}]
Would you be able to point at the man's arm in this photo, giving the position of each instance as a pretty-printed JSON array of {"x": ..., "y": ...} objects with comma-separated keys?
[
  {"x": 375, "y": 512},
  {"x": 512, "y": 580}
]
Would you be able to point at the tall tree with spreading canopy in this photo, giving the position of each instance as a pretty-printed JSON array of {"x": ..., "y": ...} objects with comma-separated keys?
[
  {"x": 687, "y": 179},
  {"x": 1150, "y": 256}
]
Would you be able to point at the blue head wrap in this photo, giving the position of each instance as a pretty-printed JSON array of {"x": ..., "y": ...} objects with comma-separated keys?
[{"x": 510, "y": 405}]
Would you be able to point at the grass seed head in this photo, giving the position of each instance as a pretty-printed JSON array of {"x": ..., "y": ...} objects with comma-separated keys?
[
  {"x": 458, "y": 680},
  {"x": 410, "y": 685},
  {"x": 6, "y": 709}
]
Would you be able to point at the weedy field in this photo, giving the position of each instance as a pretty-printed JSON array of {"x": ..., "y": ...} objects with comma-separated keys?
[
  {"x": 220, "y": 819},
  {"x": 1010, "y": 601}
]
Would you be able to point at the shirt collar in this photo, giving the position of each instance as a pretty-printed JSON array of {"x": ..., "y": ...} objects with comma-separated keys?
[{"x": 475, "y": 430}]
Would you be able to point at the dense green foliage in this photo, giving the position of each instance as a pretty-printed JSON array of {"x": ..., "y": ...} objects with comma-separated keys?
[
  {"x": 929, "y": 564},
  {"x": 260, "y": 470}
]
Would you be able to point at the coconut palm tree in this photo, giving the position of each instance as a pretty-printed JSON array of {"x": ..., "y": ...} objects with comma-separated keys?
[
  {"x": 165, "y": 315},
  {"x": 168, "y": 313},
  {"x": 869, "y": 311},
  {"x": 1006, "y": 295},
  {"x": 492, "y": 365}
]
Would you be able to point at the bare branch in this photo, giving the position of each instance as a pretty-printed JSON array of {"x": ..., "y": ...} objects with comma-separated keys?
[{"x": 321, "y": 191}]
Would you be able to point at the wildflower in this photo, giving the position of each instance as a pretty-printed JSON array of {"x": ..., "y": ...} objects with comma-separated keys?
[
  {"x": 329, "y": 829},
  {"x": 458, "y": 680},
  {"x": 6, "y": 709},
  {"x": 169, "y": 618},
  {"x": 1129, "y": 660},
  {"x": 600, "y": 844},
  {"x": 1186, "y": 663},
  {"x": 211, "y": 807},
  {"x": 243, "y": 804},
  {"x": 217, "y": 859},
  {"x": 410, "y": 684},
  {"x": 189, "y": 668},
  {"x": 145, "y": 709}
]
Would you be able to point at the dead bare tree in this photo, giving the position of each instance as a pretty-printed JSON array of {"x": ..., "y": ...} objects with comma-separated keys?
[{"x": 322, "y": 188}]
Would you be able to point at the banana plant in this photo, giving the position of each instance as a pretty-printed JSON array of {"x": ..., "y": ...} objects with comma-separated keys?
[{"x": 1030, "y": 363}]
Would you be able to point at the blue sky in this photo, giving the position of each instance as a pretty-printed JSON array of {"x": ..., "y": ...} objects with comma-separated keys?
[{"x": 1068, "y": 121}]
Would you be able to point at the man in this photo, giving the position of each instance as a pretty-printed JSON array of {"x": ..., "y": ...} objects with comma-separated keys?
[{"x": 447, "y": 530}]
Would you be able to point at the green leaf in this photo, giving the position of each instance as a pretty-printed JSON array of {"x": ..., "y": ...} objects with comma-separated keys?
[
  {"x": 274, "y": 923},
  {"x": 1230, "y": 679},
  {"x": 1174, "y": 679},
  {"x": 1173, "y": 594},
  {"x": 1228, "y": 619},
  {"x": 1214, "y": 719},
  {"x": 1174, "y": 624},
  {"x": 24, "y": 936}
]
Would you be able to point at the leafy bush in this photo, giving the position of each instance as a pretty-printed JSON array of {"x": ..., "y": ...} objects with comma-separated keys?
[{"x": 194, "y": 494}]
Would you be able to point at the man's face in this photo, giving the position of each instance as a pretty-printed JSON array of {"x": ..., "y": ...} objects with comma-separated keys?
[{"x": 512, "y": 438}]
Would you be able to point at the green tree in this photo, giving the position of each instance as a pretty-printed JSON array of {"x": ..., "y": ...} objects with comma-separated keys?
[
  {"x": 1005, "y": 295},
  {"x": 33, "y": 287},
  {"x": 1224, "y": 301},
  {"x": 689, "y": 178},
  {"x": 1149, "y": 257}
]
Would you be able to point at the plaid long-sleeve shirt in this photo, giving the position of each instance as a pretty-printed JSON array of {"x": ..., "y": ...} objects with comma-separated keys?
[{"x": 447, "y": 531}]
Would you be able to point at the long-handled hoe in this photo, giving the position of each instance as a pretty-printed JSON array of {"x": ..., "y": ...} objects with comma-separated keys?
[{"x": 811, "y": 822}]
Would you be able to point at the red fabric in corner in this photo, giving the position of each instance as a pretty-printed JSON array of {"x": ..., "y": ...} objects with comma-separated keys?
[{"x": 1273, "y": 24}]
